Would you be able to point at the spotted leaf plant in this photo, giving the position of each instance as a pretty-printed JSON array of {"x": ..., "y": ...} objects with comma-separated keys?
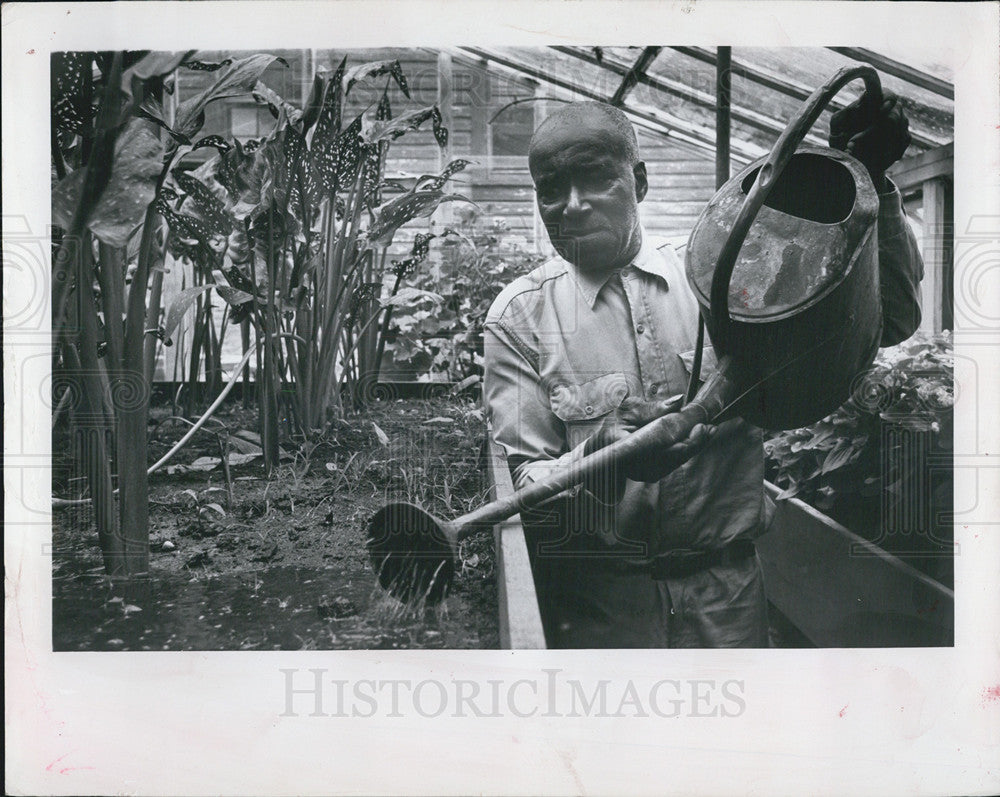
[{"x": 112, "y": 153}]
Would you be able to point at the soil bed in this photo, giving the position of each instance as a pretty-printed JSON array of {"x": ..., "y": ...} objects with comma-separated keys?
[{"x": 282, "y": 564}]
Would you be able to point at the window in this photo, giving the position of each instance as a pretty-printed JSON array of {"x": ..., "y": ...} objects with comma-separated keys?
[
  {"x": 249, "y": 121},
  {"x": 510, "y": 132}
]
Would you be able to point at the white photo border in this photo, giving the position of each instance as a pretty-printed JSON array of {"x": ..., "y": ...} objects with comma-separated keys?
[{"x": 918, "y": 721}]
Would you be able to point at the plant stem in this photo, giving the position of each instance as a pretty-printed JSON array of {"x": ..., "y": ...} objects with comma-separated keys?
[
  {"x": 204, "y": 418},
  {"x": 94, "y": 424},
  {"x": 150, "y": 341},
  {"x": 245, "y": 343},
  {"x": 133, "y": 415}
]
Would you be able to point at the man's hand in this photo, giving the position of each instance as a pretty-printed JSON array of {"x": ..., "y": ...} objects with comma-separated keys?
[
  {"x": 876, "y": 136},
  {"x": 635, "y": 413}
]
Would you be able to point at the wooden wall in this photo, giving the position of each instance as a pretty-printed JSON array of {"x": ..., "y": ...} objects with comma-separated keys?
[{"x": 681, "y": 179}]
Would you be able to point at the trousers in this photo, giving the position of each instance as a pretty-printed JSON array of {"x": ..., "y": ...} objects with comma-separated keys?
[{"x": 595, "y": 599}]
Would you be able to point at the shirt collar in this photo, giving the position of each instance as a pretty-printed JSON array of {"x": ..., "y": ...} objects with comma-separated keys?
[{"x": 648, "y": 259}]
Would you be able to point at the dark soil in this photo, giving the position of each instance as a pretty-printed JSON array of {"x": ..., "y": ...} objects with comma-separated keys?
[{"x": 280, "y": 563}]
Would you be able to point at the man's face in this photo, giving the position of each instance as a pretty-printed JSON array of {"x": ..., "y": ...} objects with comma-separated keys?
[{"x": 587, "y": 193}]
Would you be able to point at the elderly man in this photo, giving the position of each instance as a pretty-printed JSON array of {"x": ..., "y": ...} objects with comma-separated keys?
[{"x": 595, "y": 342}]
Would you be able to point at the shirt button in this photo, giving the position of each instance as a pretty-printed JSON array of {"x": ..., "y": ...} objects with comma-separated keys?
[
  {"x": 589, "y": 410},
  {"x": 654, "y": 389},
  {"x": 640, "y": 329}
]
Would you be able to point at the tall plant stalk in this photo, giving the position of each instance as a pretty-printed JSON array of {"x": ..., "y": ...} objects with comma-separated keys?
[{"x": 111, "y": 162}]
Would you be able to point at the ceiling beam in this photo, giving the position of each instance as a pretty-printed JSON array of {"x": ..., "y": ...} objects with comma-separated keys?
[
  {"x": 792, "y": 88},
  {"x": 762, "y": 77},
  {"x": 898, "y": 69},
  {"x": 688, "y": 93},
  {"x": 633, "y": 75},
  {"x": 649, "y": 118},
  {"x": 910, "y": 173},
  {"x": 535, "y": 77}
]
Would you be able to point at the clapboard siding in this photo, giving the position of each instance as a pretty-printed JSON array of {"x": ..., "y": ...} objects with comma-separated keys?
[
  {"x": 681, "y": 180},
  {"x": 680, "y": 184}
]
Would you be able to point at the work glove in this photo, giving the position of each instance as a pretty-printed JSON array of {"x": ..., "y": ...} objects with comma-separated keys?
[
  {"x": 877, "y": 137},
  {"x": 633, "y": 414}
]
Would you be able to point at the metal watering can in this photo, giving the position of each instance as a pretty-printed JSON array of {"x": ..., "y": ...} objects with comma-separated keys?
[{"x": 783, "y": 262}]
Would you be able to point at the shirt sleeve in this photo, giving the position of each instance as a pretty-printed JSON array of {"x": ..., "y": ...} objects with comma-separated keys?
[
  {"x": 522, "y": 422},
  {"x": 900, "y": 270}
]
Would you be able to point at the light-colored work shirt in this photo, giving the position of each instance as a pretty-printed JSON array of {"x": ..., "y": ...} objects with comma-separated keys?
[{"x": 563, "y": 348}]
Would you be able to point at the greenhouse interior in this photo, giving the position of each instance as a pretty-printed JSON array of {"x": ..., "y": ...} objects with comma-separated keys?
[{"x": 301, "y": 248}]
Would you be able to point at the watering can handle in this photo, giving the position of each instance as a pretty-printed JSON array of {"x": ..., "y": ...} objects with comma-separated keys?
[{"x": 768, "y": 174}]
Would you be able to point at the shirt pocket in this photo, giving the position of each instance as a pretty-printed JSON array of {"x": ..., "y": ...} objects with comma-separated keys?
[{"x": 582, "y": 406}]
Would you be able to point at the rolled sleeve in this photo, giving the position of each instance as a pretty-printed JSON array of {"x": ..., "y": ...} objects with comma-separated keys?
[
  {"x": 523, "y": 425},
  {"x": 901, "y": 269}
]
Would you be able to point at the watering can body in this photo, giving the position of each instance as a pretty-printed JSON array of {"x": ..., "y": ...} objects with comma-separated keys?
[{"x": 804, "y": 314}]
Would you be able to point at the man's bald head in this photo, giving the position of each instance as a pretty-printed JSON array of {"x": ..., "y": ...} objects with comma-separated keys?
[
  {"x": 618, "y": 130},
  {"x": 584, "y": 162}
]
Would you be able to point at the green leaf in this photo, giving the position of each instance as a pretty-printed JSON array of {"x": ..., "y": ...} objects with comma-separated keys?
[
  {"x": 394, "y": 128},
  {"x": 138, "y": 160},
  {"x": 328, "y": 123},
  {"x": 242, "y": 459},
  {"x": 232, "y": 295},
  {"x": 383, "y": 438},
  {"x": 313, "y": 104},
  {"x": 265, "y": 95},
  {"x": 154, "y": 64},
  {"x": 180, "y": 305},
  {"x": 789, "y": 492},
  {"x": 236, "y": 79},
  {"x": 436, "y": 181},
  {"x": 840, "y": 456},
  {"x": 72, "y": 91},
  {"x": 818, "y": 441},
  {"x": 408, "y": 296},
  {"x": 206, "y": 204}
]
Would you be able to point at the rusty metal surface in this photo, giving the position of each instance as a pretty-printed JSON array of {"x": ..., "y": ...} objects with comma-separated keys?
[
  {"x": 803, "y": 300},
  {"x": 788, "y": 262}
]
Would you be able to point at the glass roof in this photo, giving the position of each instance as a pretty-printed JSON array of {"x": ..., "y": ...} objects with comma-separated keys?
[{"x": 675, "y": 89}]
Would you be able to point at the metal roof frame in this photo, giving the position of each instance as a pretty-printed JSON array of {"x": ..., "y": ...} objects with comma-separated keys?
[
  {"x": 792, "y": 88},
  {"x": 689, "y": 131},
  {"x": 908, "y": 73},
  {"x": 678, "y": 89},
  {"x": 652, "y": 119}
]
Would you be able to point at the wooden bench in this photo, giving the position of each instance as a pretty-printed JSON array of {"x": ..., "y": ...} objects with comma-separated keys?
[
  {"x": 520, "y": 620},
  {"x": 841, "y": 590}
]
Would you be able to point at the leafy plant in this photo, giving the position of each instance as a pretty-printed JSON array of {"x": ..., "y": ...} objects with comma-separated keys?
[
  {"x": 876, "y": 455},
  {"x": 909, "y": 385},
  {"x": 294, "y": 233},
  {"x": 108, "y": 162},
  {"x": 441, "y": 332}
]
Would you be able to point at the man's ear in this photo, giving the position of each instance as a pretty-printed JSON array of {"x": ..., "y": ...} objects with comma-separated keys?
[{"x": 641, "y": 183}]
